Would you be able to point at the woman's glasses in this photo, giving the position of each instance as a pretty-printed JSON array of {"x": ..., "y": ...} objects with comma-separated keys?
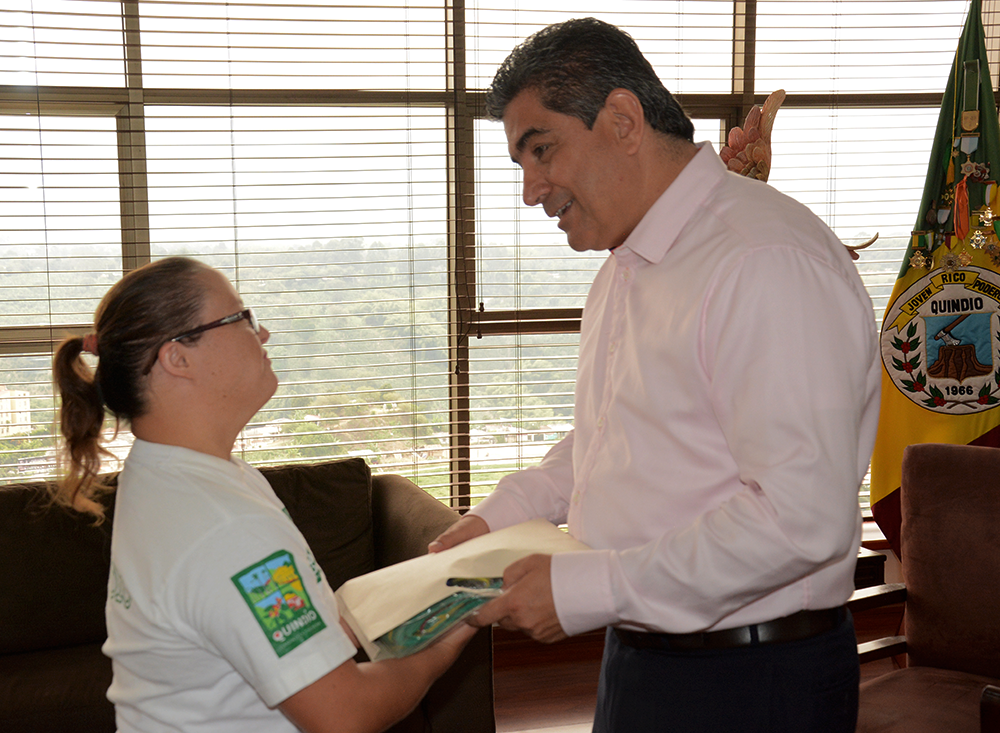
[{"x": 244, "y": 314}]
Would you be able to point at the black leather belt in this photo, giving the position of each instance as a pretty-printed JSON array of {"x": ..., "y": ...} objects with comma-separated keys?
[{"x": 798, "y": 626}]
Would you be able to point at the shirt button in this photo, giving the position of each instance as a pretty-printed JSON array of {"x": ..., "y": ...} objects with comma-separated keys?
[
  {"x": 600, "y": 424},
  {"x": 612, "y": 347}
]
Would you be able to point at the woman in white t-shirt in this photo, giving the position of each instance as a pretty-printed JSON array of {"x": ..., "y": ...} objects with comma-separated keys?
[{"x": 219, "y": 618}]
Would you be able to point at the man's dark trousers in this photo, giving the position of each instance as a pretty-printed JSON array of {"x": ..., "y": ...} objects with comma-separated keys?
[{"x": 798, "y": 687}]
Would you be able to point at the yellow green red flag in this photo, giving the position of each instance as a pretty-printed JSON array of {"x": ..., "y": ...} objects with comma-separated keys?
[{"x": 940, "y": 336}]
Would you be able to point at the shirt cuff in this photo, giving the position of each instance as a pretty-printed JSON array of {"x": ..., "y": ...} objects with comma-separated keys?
[{"x": 581, "y": 590}]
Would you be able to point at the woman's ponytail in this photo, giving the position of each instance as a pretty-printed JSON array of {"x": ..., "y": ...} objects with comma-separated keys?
[{"x": 81, "y": 417}]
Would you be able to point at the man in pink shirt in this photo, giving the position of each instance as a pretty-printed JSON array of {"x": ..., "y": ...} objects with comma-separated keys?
[{"x": 726, "y": 404}]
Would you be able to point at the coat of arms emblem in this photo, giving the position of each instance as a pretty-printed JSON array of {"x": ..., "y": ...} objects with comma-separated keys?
[{"x": 941, "y": 344}]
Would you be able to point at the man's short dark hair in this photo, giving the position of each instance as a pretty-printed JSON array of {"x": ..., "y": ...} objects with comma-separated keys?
[{"x": 574, "y": 65}]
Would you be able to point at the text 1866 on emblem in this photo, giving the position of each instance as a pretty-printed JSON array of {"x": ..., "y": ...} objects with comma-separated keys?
[{"x": 941, "y": 341}]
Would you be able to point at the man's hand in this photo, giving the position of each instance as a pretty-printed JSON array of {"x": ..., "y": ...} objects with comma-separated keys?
[
  {"x": 526, "y": 602},
  {"x": 464, "y": 529}
]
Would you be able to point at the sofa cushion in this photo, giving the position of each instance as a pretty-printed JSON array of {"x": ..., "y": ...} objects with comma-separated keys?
[
  {"x": 56, "y": 565},
  {"x": 331, "y": 503},
  {"x": 56, "y": 690},
  {"x": 912, "y": 699}
]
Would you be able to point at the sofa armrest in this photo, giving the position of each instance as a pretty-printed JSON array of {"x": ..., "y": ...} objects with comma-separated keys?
[{"x": 405, "y": 519}]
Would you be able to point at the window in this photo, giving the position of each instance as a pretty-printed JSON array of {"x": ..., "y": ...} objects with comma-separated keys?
[{"x": 333, "y": 161}]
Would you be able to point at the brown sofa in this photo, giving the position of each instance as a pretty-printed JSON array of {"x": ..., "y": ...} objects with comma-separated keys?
[{"x": 53, "y": 677}]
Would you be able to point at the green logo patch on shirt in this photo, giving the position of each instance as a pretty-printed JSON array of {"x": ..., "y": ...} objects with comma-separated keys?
[{"x": 273, "y": 590}]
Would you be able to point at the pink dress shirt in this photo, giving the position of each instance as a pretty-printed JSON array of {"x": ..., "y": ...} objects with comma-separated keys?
[{"x": 726, "y": 405}]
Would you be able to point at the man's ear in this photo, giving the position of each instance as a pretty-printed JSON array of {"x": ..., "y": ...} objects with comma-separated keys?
[
  {"x": 626, "y": 115},
  {"x": 173, "y": 359}
]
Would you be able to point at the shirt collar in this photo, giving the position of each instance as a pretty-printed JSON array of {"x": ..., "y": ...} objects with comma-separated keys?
[{"x": 662, "y": 224}]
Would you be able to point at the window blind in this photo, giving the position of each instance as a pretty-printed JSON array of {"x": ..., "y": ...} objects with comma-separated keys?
[
  {"x": 332, "y": 161},
  {"x": 267, "y": 44}
]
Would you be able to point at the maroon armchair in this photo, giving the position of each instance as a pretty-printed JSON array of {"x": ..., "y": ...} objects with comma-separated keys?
[{"x": 950, "y": 554}]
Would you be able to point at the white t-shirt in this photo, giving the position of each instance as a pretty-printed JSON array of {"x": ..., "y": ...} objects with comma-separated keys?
[{"x": 217, "y": 610}]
